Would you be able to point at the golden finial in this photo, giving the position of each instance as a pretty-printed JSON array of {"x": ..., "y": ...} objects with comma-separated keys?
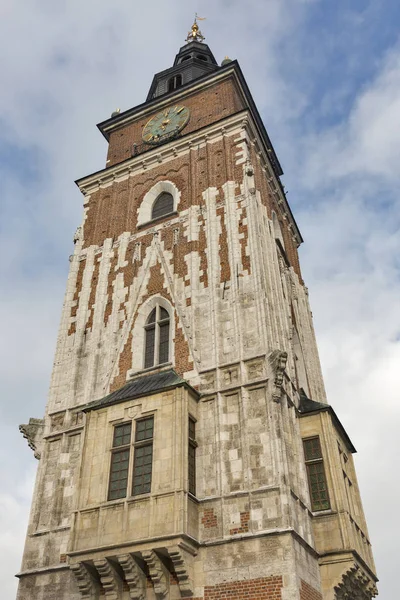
[{"x": 195, "y": 34}]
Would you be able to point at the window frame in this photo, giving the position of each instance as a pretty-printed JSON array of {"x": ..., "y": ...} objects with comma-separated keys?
[
  {"x": 157, "y": 325},
  {"x": 132, "y": 446},
  {"x": 192, "y": 445},
  {"x": 318, "y": 461}
]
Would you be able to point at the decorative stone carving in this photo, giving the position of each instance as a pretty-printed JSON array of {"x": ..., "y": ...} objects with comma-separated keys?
[
  {"x": 110, "y": 580},
  {"x": 57, "y": 422},
  {"x": 84, "y": 580},
  {"x": 78, "y": 234},
  {"x": 278, "y": 360},
  {"x": 255, "y": 369},
  {"x": 33, "y": 433},
  {"x": 230, "y": 376},
  {"x": 207, "y": 381},
  {"x": 134, "y": 577},
  {"x": 157, "y": 573},
  {"x": 355, "y": 585},
  {"x": 182, "y": 559}
]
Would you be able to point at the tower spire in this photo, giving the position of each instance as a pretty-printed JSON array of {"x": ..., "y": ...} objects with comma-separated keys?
[{"x": 195, "y": 34}]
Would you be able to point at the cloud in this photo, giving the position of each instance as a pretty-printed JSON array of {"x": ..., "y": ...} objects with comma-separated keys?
[{"x": 328, "y": 89}]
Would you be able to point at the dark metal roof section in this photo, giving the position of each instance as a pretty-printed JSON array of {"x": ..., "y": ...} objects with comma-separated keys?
[
  {"x": 193, "y": 60},
  {"x": 308, "y": 406},
  {"x": 145, "y": 385}
]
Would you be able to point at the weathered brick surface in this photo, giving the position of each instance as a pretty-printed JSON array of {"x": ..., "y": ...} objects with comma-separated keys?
[
  {"x": 211, "y": 104},
  {"x": 264, "y": 588},
  {"x": 244, "y": 524},
  {"x": 209, "y": 519},
  {"x": 309, "y": 593}
]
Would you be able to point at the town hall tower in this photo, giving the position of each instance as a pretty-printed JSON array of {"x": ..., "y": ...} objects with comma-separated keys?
[{"x": 188, "y": 449}]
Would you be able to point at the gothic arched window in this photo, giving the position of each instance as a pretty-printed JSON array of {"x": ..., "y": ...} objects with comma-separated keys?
[
  {"x": 163, "y": 205},
  {"x": 156, "y": 350}
]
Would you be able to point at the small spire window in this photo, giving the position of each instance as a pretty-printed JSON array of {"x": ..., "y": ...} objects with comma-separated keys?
[
  {"x": 174, "y": 83},
  {"x": 163, "y": 205},
  {"x": 157, "y": 337}
]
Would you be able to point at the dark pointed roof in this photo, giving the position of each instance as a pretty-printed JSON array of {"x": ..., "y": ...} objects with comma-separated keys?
[
  {"x": 193, "y": 60},
  {"x": 308, "y": 406},
  {"x": 144, "y": 385}
]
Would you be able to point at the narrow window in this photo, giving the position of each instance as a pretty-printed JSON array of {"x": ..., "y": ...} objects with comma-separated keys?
[
  {"x": 143, "y": 460},
  {"x": 163, "y": 205},
  {"x": 120, "y": 461},
  {"x": 174, "y": 83},
  {"x": 192, "y": 456},
  {"x": 316, "y": 474},
  {"x": 157, "y": 337}
]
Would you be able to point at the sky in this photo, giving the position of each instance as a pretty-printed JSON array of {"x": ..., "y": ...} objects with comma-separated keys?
[{"x": 326, "y": 79}]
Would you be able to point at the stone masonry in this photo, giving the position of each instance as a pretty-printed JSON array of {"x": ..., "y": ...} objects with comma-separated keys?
[{"x": 224, "y": 265}]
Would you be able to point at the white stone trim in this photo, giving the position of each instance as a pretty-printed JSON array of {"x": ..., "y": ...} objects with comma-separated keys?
[
  {"x": 138, "y": 332},
  {"x": 145, "y": 209}
]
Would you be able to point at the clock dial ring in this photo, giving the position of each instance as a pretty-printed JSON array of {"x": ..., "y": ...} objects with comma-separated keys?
[{"x": 165, "y": 124}]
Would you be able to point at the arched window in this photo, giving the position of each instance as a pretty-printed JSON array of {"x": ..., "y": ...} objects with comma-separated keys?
[
  {"x": 174, "y": 83},
  {"x": 163, "y": 205},
  {"x": 202, "y": 57},
  {"x": 156, "y": 337}
]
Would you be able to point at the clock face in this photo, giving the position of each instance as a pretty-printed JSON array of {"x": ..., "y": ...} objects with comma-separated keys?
[{"x": 165, "y": 124}]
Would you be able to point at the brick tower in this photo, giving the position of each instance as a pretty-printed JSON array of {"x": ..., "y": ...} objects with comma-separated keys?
[{"x": 188, "y": 449}]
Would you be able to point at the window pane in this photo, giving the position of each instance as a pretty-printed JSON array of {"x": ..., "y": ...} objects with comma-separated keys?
[
  {"x": 152, "y": 317},
  {"x": 164, "y": 205},
  {"x": 312, "y": 449},
  {"x": 192, "y": 429},
  {"x": 118, "y": 474},
  {"x": 163, "y": 314},
  {"x": 122, "y": 435},
  {"x": 164, "y": 343},
  {"x": 192, "y": 468},
  {"x": 144, "y": 429},
  {"x": 318, "y": 487},
  {"x": 142, "y": 467},
  {"x": 149, "y": 351}
]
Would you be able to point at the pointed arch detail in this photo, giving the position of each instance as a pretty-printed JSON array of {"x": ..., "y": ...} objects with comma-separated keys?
[{"x": 145, "y": 209}]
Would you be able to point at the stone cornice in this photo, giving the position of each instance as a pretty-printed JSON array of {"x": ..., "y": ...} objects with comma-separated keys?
[{"x": 168, "y": 151}]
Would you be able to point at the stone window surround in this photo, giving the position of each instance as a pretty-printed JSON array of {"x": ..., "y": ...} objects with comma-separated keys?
[
  {"x": 144, "y": 211},
  {"x": 138, "y": 334}
]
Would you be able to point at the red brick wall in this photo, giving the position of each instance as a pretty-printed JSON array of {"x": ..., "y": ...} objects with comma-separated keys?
[
  {"x": 209, "y": 519},
  {"x": 207, "y": 106},
  {"x": 265, "y": 588},
  {"x": 309, "y": 593}
]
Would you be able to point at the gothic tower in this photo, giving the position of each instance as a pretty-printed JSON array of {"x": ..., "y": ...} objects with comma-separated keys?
[{"x": 188, "y": 449}]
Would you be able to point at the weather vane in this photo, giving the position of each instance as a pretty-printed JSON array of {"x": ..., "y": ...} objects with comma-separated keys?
[{"x": 195, "y": 34}]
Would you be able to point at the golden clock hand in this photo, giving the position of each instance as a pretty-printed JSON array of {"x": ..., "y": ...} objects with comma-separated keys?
[{"x": 180, "y": 110}]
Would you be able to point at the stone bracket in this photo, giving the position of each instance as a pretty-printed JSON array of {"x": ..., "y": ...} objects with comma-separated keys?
[
  {"x": 109, "y": 578},
  {"x": 157, "y": 573},
  {"x": 134, "y": 577},
  {"x": 33, "y": 433},
  {"x": 84, "y": 580},
  {"x": 182, "y": 559}
]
